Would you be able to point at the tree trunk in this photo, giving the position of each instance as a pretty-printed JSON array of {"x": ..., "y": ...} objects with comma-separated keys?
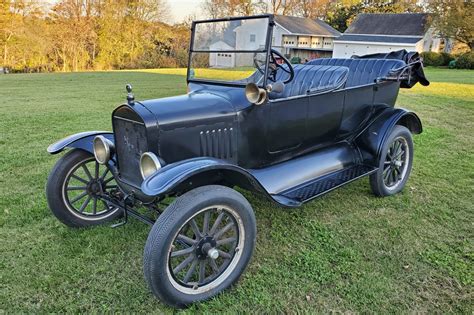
[{"x": 5, "y": 54}]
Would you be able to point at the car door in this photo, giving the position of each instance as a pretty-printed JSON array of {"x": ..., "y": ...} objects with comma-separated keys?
[
  {"x": 286, "y": 123},
  {"x": 324, "y": 117}
]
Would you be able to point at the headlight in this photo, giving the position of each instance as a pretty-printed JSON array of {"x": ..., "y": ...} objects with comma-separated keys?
[
  {"x": 103, "y": 149},
  {"x": 149, "y": 164}
]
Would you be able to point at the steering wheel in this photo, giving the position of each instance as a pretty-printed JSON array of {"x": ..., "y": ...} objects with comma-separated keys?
[{"x": 274, "y": 66}]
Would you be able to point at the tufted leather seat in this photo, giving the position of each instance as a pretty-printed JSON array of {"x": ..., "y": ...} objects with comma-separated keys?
[
  {"x": 313, "y": 79},
  {"x": 361, "y": 71}
]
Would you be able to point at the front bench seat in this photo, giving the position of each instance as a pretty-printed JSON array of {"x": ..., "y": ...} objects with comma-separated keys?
[
  {"x": 312, "y": 79},
  {"x": 361, "y": 71}
]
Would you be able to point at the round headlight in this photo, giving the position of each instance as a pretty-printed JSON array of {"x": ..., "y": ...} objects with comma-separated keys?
[
  {"x": 103, "y": 149},
  {"x": 149, "y": 164}
]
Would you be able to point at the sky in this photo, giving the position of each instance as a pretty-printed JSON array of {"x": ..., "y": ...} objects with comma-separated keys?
[{"x": 179, "y": 9}]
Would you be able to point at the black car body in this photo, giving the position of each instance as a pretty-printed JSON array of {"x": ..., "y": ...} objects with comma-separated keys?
[{"x": 329, "y": 125}]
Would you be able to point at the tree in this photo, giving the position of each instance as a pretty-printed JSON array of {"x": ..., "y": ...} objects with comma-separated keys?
[
  {"x": 454, "y": 19},
  {"x": 223, "y": 8},
  {"x": 314, "y": 8},
  {"x": 341, "y": 15},
  {"x": 283, "y": 7}
]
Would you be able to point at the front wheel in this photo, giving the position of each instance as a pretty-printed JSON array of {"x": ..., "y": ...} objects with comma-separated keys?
[
  {"x": 395, "y": 163},
  {"x": 200, "y": 245},
  {"x": 73, "y": 190}
]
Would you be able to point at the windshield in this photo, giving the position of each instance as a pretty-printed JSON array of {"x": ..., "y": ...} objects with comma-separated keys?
[{"x": 229, "y": 51}]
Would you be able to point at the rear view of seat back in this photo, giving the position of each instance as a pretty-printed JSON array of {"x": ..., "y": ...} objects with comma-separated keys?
[
  {"x": 314, "y": 78},
  {"x": 361, "y": 71}
]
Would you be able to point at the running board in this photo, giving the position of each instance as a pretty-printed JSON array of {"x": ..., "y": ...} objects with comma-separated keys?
[{"x": 305, "y": 192}]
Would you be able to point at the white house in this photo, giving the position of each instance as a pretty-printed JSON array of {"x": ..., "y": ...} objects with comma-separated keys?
[
  {"x": 222, "y": 59},
  {"x": 303, "y": 37},
  {"x": 380, "y": 33},
  {"x": 292, "y": 36}
]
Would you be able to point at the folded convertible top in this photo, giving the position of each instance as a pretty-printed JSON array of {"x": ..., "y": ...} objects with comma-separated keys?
[{"x": 408, "y": 76}]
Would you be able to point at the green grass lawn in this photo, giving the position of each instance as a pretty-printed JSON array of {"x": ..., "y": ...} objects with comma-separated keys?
[{"x": 346, "y": 251}]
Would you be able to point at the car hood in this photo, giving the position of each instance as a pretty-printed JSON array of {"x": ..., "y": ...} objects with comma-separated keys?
[{"x": 192, "y": 109}]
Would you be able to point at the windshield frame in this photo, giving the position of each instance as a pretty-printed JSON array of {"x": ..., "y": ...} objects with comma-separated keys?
[{"x": 266, "y": 50}]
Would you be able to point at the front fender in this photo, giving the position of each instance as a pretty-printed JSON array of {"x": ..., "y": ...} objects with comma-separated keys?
[
  {"x": 171, "y": 176},
  {"x": 82, "y": 140},
  {"x": 370, "y": 141}
]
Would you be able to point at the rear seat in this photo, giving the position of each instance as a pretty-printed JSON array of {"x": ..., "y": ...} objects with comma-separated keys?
[
  {"x": 361, "y": 71},
  {"x": 312, "y": 78}
]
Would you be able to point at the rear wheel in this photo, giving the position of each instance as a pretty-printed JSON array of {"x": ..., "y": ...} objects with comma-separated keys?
[
  {"x": 73, "y": 190},
  {"x": 395, "y": 163},
  {"x": 200, "y": 245}
]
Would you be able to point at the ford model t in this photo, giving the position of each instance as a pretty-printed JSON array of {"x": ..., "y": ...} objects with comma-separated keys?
[{"x": 250, "y": 119}]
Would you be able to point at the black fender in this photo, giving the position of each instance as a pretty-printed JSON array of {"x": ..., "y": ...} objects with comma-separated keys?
[
  {"x": 187, "y": 174},
  {"x": 370, "y": 141},
  {"x": 82, "y": 140}
]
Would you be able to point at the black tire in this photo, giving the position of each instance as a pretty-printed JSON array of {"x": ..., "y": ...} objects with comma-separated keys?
[
  {"x": 158, "y": 271},
  {"x": 391, "y": 177},
  {"x": 57, "y": 193}
]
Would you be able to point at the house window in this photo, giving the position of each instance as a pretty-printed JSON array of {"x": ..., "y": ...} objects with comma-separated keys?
[{"x": 252, "y": 38}]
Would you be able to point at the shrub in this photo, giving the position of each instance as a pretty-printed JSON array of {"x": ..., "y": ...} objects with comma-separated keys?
[
  {"x": 295, "y": 60},
  {"x": 431, "y": 58},
  {"x": 465, "y": 61},
  {"x": 447, "y": 58}
]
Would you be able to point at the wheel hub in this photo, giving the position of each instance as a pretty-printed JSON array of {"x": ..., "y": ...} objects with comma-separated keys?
[
  {"x": 95, "y": 187},
  {"x": 206, "y": 248}
]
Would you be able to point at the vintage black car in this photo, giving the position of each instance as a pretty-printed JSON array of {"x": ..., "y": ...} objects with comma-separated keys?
[{"x": 252, "y": 120}]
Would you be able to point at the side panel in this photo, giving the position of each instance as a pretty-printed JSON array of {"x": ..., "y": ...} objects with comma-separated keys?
[
  {"x": 386, "y": 93},
  {"x": 358, "y": 105},
  {"x": 81, "y": 140},
  {"x": 286, "y": 124},
  {"x": 324, "y": 117}
]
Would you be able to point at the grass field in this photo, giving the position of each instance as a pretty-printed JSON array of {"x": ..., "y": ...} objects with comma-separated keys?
[{"x": 346, "y": 251}]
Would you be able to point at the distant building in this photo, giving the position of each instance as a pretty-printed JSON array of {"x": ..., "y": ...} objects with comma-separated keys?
[
  {"x": 303, "y": 37},
  {"x": 380, "y": 32},
  {"x": 293, "y": 36}
]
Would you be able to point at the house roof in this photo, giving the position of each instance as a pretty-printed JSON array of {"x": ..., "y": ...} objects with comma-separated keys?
[
  {"x": 379, "y": 39},
  {"x": 305, "y": 26},
  {"x": 408, "y": 24}
]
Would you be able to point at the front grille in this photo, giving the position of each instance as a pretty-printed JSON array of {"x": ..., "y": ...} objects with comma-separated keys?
[{"x": 130, "y": 143}]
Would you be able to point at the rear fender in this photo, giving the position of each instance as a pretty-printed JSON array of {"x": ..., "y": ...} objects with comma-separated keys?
[
  {"x": 184, "y": 175},
  {"x": 370, "y": 141},
  {"x": 82, "y": 140}
]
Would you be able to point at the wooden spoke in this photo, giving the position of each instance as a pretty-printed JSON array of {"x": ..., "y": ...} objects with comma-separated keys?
[
  {"x": 182, "y": 252},
  {"x": 185, "y": 239},
  {"x": 217, "y": 222},
  {"x": 226, "y": 241},
  {"x": 223, "y": 230},
  {"x": 76, "y": 188},
  {"x": 183, "y": 264},
  {"x": 79, "y": 179},
  {"x": 78, "y": 197},
  {"x": 195, "y": 228},
  {"x": 84, "y": 205},
  {"x": 94, "y": 206},
  {"x": 202, "y": 271},
  {"x": 86, "y": 170},
  {"x": 190, "y": 271},
  {"x": 205, "y": 225}
]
